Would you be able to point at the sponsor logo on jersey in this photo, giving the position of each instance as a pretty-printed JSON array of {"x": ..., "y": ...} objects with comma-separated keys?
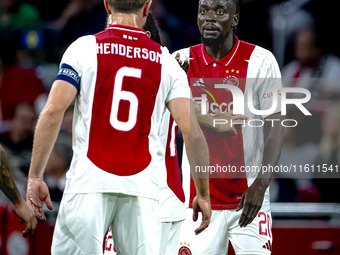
[
  {"x": 270, "y": 94},
  {"x": 268, "y": 246},
  {"x": 199, "y": 83}
]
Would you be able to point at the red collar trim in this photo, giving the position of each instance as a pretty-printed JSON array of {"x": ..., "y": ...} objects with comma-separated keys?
[
  {"x": 127, "y": 29},
  {"x": 223, "y": 61}
]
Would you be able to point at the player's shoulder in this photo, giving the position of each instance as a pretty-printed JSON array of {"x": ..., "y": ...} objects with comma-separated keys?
[
  {"x": 189, "y": 52},
  {"x": 262, "y": 55},
  {"x": 82, "y": 42},
  {"x": 167, "y": 57},
  {"x": 196, "y": 48},
  {"x": 169, "y": 63}
]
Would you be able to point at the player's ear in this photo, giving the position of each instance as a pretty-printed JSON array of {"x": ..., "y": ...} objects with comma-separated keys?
[
  {"x": 146, "y": 8},
  {"x": 107, "y": 7},
  {"x": 148, "y": 33},
  {"x": 236, "y": 19}
]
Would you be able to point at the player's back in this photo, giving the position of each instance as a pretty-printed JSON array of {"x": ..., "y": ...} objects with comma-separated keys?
[
  {"x": 124, "y": 85},
  {"x": 129, "y": 74}
]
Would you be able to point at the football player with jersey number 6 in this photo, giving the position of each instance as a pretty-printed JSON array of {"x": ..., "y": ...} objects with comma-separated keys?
[
  {"x": 239, "y": 199},
  {"x": 122, "y": 82}
]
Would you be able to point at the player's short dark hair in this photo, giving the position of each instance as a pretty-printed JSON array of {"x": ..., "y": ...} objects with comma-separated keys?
[
  {"x": 126, "y": 6},
  {"x": 152, "y": 26}
]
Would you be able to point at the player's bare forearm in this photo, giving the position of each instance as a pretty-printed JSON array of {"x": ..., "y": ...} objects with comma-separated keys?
[
  {"x": 60, "y": 97},
  {"x": 7, "y": 183},
  {"x": 182, "y": 110},
  {"x": 199, "y": 159},
  {"x": 44, "y": 138},
  {"x": 252, "y": 200},
  {"x": 198, "y": 156},
  {"x": 214, "y": 122},
  {"x": 204, "y": 120},
  {"x": 272, "y": 150}
]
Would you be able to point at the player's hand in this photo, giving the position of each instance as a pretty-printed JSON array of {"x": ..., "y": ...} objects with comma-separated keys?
[
  {"x": 201, "y": 204},
  {"x": 228, "y": 116},
  {"x": 185, "y": 65},
  {"x": 26, "y": 216},
  {"x": 251, "y": 203},
  {"x": 37, "y": 194}
]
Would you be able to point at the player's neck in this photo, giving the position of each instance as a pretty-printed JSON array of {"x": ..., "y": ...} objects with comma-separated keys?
[
  {"x": 220, "y": 51},
  {"x": 130, "y": 20}
]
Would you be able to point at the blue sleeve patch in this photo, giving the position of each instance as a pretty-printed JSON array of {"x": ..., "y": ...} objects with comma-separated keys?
[{"x": 68, "y": 74}]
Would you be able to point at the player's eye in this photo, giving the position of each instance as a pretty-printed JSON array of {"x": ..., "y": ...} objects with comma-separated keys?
[
  {"x": 203, "y": 12},
  {"x": 220, "y": 11}
]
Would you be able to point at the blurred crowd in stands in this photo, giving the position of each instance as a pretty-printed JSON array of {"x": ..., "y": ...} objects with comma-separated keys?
[{"x": 34, "y": 34}]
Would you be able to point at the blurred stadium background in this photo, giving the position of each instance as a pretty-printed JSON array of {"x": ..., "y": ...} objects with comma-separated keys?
[{"x": 303, "y": 36}]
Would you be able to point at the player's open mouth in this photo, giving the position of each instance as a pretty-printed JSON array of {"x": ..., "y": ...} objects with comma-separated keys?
[{"x": 208, "y": 29}]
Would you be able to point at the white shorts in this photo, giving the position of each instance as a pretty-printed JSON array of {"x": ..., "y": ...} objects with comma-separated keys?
[
  {"x": 256, "y": 238},
  {"x": 84, "y": 219},
  {"x": 170, "y": 237},
  {"x": 109, "y": 246}
]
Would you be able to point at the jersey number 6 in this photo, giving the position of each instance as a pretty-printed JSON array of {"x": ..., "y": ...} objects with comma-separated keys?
[{"x": 119, "y": 94}]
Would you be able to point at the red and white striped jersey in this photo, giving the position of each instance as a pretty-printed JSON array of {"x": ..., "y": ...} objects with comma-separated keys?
[
  {"x": 124, "y": 79},
  {"x": 255, "y": 72}
]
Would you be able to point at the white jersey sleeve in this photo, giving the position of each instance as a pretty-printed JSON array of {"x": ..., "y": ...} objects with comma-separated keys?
[
  {"x": 175, "y": 75},
  {"x": 71, "y": 65},
  {"x": 184, "y": 54},
  {"x": 72, "y": 56},
  {"x": 268, "y": 77}
]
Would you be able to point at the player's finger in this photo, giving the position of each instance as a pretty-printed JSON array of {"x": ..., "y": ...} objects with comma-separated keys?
[
  {"x": 34, "y": 225},
  {"x": 42, "y": 214},
  {"x": 186, "y": 64},
  {"x": 234, "y": 130},
  {"x": 244, "y": 216},
  {"x": 49, "y": 202},
  {"x": 178, "y": 56},
  {"x": 240, "y": 117},
  {"x": 205, "y": 223},
  {"x": 256, "y": 211},
  {"x": 36, "y": 201},
  {"x": 39, "y": 212},
  {"x": 249, "y": 217},
  {"x": 33, "y": 208},
  {"x": 195, "y": 213},
  {"x": 27, "y": 230},
  {"x": 240, "y": 205}
]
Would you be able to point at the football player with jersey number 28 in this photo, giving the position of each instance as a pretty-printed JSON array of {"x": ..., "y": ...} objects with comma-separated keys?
[
  {"x": 123, "y": 81},
  {"x": 239, "y": 200}
]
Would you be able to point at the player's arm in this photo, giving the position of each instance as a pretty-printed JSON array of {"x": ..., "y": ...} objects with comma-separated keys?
[
  {"x": 207, "y": 120},
  {"x": 252, "y": 199},
  {"x": 198, "y": 155},
  {"x": 8, "y": 187},
  {"x": 214, "y": 122},
  {"x": 61, "y": 96},
  {"x": 63, "y": 91},
  {"x": 182, "y": 111}
]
